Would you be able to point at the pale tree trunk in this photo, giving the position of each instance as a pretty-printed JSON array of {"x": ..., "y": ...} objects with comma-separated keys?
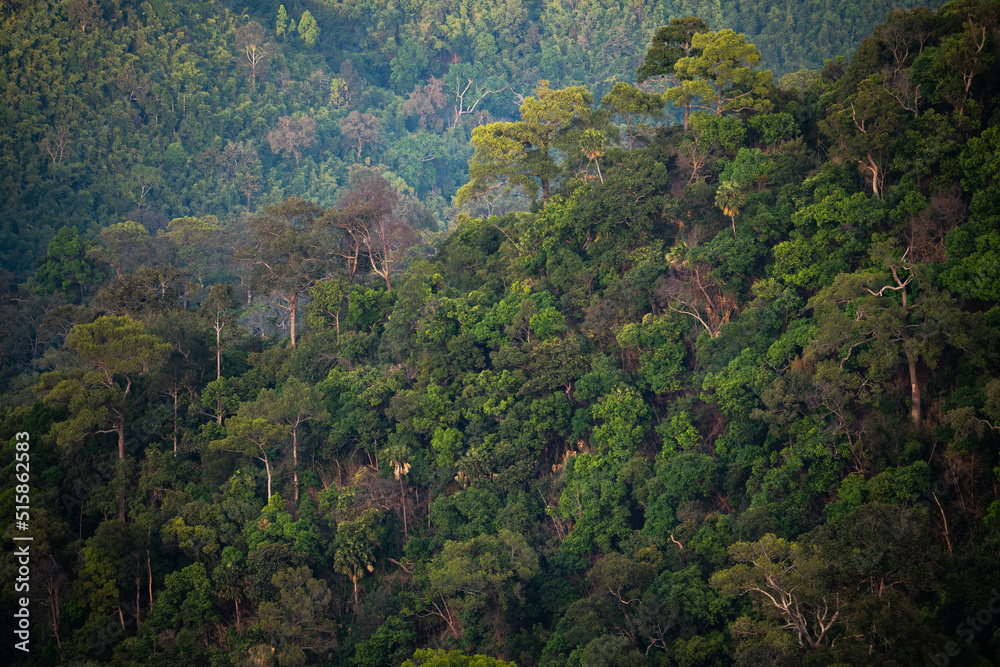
[
  {"x": 295, "y": 462},
  {"x": 291, "y": 306},
  {"x": 218, "y": 352},
  {"x": 267, "y": 466}
]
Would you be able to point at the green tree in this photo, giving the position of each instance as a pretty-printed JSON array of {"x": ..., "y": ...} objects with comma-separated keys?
[
  {"x": 229, "y": 578},
  {"x": 125, "y": 246},
  {"x": 485, "y": 575},
  {"x": 281, "y": 25},
  {"x": 249, "y": 434},
  {"x": 787, "y": 579},
  {"x": 354, "y": 546},
  {"x": 627, "y": 100},
  {"x": 518, "y": 154},
  {"x": 219, "y": 311},
  {"x": 308, "y": 29},
  {"x": 67, "y": 268},
  {"x": 406, "y": 67},
  {"x": 432, "y": 657},
  {"x": 726, "y": 62},
  {"x": 671, "y": 43},
  {"x": 299, "y": 621},
  {"x": 296, "y": 404},
  {"x": 115, "y": 353},
  {"x": 185, "y": 600}
]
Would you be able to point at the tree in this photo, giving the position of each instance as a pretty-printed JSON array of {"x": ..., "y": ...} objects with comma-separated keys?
[
  {"x": 300, "y": 620},
  {"x": 308, "y": 29},
  {"x": 354, "y": 547},
  {"x": 281, "y": 25},
  {"x": 219, "y": 310},
  {"x": 66, "y": 267},
  {"x": 185, "y": 600},
  {"x": 291, "y": 136},
  {"x": 326, "y": 303},
  {"x": 725, "y": 61},
  {"x": 427, "y": 103},
  {"x": 515, "y": 154},
  {"x": 671, "y": 43},
  {"x": 94, "y": 13},
  {"x": 484, "y": 575},
  {"x": 115, "y": 353},
  {"x": 460, "y": 80},
  {"x": 435, "y": 657},
  {"x": 787, "y": 578},
  {"x": 730, "y": 197},
  {"x": 361, "y": 129},
  {"x": 864, "y": 127},
  {"x": 296, "y": 404},
  {"x": 874, "y": 318},
  {"x": 371, "y": 219},
  {"x": 125, "y": 246},
  {"x": 229, "y": 575},
  {"x": 251, "y": 434},
  {"x": 405, "y": 68},
  {"x": 627, "y": 100},
  {"x": 288, "y": 253},
  {"x": 255, "y": 50}
]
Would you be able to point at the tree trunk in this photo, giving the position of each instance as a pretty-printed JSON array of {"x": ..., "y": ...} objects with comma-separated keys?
[
  {"x": 911, "y": 364},
  {"x": 218, "y": 352},
  {"x": 402, "y": 500},
  {"x": 267, "y": 466},
  {"x": 545, "y": 190},
  {"x": 291, "y": 307},
  {"x": 120, "y": 429},
  {"x": 295, "y": 462},
  {"x": 176, "y": 393}
]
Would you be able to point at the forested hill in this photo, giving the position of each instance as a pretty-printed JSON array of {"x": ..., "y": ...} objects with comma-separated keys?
[
  {"x": 158, "y": 110},
  {"x": 719, "y": 391}
]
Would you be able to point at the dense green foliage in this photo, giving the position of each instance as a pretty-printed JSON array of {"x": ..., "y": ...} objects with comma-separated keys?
[
  {"x": 726, "y": 393},
  {"x": 160, "y": 110}
]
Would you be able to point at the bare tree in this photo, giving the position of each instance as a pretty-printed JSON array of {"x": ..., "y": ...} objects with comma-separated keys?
[
  {"x": 689, "y": 290},
  {"x": 370, "y": 219},
  {"x": 463, "y": 106},
  {"x": 292, "y": 135},
  {"x": 55, "y": 143},
  {"x": 361, "y": 129},
  {"x": 255, "y": 50}
]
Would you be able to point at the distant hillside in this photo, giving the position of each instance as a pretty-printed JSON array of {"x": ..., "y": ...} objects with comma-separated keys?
[{"x": 796, "y": 35}]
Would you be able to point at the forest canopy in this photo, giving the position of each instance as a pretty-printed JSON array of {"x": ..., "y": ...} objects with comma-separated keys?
[{"x": 533, "y": 333}]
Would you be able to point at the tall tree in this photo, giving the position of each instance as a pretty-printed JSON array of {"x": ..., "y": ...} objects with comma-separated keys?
[
  {"x": 296, "y": 404},
  {"x": 115, "y": 352},
  {"x": 255, "y": 50},
  {"x": 292, "y": 135},
  {"x": 671, "y": 43},
  {"x": 288, "y": 252},
  {"x": 373, "y": 221},
  {"x": 519, "y": 154},
  {"x": 219, "y": 311},
  {"x": 726, "y": 62}
]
